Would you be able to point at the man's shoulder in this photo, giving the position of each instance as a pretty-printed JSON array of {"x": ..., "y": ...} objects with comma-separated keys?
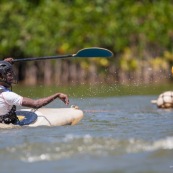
[{"x": 3, "y": 89}]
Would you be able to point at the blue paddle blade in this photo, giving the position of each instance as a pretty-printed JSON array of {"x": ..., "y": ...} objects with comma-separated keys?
[{"x": 94, "y": 52}]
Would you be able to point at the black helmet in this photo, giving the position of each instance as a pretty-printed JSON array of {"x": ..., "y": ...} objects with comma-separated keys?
[{"x": 5, "y": 67}]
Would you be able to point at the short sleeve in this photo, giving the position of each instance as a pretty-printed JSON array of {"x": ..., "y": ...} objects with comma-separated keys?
[{"x": 12, "y": 98}]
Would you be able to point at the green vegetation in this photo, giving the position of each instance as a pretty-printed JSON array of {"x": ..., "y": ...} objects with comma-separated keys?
[
  {"x": 136, "y": 31},
  {"x": 43, "y": 27}
]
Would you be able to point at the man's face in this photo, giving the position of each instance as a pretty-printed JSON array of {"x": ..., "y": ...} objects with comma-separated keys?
[{"x": 10, "y": 76}]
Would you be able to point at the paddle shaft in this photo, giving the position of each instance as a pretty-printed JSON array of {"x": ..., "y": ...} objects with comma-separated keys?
[{"x": 43, "y": 58}]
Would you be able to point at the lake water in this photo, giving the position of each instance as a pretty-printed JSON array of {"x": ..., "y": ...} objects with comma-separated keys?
[{"x": 117, "y": 134}]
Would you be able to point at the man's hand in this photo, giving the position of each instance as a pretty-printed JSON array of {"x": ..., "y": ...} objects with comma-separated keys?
[
  {"x": 64, "y": 98},
  {"x": 10, "y": 60}
]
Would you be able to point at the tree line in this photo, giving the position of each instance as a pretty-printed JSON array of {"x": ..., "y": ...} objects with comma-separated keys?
[{"x": 139, "y": 33}]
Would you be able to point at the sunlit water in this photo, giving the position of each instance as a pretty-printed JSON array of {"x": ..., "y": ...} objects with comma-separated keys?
[{"x": 117, "y": 134}]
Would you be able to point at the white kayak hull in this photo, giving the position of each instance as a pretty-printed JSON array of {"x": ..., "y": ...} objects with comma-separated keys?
[
  {"x": 57, "y": 117},
  {"x": 53, "y": 117}
]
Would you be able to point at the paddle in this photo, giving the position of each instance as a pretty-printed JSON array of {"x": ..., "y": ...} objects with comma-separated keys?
[{"x": 85, "y": 53}]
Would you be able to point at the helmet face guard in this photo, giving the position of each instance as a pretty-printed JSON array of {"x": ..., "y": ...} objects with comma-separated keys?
[{"x": 7, "y": 76}]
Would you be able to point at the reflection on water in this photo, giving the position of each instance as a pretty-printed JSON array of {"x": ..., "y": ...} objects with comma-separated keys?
[{"x": 117, "y": 134}]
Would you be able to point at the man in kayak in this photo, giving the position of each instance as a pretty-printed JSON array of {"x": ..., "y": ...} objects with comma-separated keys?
[{"x": 9, "y": 100}]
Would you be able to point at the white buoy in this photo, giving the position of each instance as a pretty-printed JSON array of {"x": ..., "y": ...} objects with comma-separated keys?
[{"x": 165, "y": 100}]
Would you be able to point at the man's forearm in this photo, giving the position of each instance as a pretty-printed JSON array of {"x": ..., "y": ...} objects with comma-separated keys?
[{"x": 39, "y": 102}]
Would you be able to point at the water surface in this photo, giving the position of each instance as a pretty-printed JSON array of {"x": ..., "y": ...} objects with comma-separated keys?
[{"x": 117, "y": 134}]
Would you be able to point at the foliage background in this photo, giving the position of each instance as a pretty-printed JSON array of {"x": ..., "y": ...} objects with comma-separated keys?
[{"x": 140, "y": 34}]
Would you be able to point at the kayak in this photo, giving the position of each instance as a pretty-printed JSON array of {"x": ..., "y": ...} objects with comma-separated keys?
[
  {"x": 47, "y": 117},
  {"x": 164, "y": 100}
]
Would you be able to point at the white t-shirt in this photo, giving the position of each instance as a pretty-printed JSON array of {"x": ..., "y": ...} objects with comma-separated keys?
[{"x": 8, "y": 99}]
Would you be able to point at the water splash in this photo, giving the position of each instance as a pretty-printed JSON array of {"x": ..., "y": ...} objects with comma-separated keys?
[{"x": 73, "y": 146}]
